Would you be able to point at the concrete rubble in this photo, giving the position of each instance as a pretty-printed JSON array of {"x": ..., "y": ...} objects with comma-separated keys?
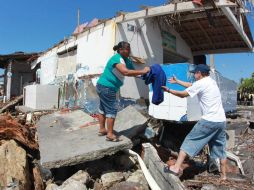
[
  {"x": 109, "y": 178},
  {"x": 130, "y": 127},
  {"x": 77, "y": 181},
  {"x": 75, "y": 140},
  {"x": 14, "y": 166}
]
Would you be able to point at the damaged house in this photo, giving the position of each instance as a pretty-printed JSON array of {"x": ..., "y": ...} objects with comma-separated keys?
[
  {"x": 174, "y": 35},
  {"x": 18, "y": 72},
  {"x": 171, "y": 35}
]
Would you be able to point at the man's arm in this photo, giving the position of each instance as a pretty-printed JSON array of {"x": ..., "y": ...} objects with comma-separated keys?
[
  {"x": 181, "y": 94},
  {"x": 177, "y": 81}
]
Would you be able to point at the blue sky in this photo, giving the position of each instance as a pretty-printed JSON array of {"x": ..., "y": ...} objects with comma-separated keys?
[{"x": 35, "y": 25}]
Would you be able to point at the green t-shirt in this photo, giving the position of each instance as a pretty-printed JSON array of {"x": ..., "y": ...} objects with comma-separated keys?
[{"x": 111, "y": 77}]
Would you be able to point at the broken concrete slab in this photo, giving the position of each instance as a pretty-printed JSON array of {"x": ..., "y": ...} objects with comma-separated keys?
[
  {"x": 156, "y": 168},
  {"x": 130, "y": 122},
  {"x": 71, "y": 138}
]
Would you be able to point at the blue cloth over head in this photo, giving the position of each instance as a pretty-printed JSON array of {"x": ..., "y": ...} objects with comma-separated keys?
[{"x": 158, "y": 78}]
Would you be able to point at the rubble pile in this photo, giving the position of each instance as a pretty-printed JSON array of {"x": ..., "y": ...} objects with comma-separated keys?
[
  {"x": 110, "y": 172},
  {"x": 212, "y": 182},
  {"x": 13, "y": 129},
  {"x": 21, "y": 166}
]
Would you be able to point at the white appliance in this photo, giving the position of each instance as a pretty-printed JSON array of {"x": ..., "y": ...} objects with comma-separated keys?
[{"x": 41, "y": 97}]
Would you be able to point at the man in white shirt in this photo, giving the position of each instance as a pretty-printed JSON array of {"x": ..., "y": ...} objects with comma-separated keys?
[{"x": 211, "y": 128}]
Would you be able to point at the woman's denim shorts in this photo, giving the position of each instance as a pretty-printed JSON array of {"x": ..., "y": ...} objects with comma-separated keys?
[
  {"x": 108, "y": 101},
  {"x": 206, "y": 132}
]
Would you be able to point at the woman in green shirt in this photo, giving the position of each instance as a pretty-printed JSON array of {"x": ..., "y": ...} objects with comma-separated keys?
[{"x": 109, "y": 83}]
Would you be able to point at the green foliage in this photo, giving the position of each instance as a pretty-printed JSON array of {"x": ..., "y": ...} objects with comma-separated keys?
[{"x": 247, "y": 85}]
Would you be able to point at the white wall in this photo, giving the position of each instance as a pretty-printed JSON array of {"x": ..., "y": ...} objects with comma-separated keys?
[
  {"x": 67, "y": 63},
  {"x": 145, "y": 40},
  {"x": 145, "y": 43},
  {"x": 48, "y": 66},
  {"x": 95, "y": 47}
]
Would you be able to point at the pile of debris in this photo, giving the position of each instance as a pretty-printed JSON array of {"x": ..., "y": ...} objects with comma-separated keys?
[
  {"x": 26, "y": 166},
  {"x": 19, "y": 151}
]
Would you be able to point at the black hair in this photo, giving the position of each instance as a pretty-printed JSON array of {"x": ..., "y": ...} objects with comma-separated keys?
[
  {"x": 121, "y": 44},
  {"x": 205, "y": 74}
]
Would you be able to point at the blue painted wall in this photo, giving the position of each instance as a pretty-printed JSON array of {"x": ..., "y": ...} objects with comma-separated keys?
[{"x": 181, "y": 71}]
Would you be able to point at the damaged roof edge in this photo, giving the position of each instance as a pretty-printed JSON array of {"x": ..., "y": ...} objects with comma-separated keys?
[
  {"x": 28, "y": 57},
  {"x": 237, "y": 26},
  {"x": 61, "y": 43},
  {"x": 171, "y": 9}
]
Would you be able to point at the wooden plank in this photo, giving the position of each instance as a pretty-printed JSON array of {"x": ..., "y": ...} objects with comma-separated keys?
[
  {"x": 205, "y": 33},
  {"x": 12, "y": 104},
  {"x": 228, "y": 50},
  {"x": 156, "y": 168}
]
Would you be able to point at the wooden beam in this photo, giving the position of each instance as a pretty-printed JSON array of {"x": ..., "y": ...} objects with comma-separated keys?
[
  {"x": 220, "y": 45},
  {"x": 198, "y": 15},
  {"x": 231, "y": 17},
  {"x": 222, "y": 29},
  {"x": 219, "y": 51},
  {"x": 189, "y": 35},
  {"x": 156, "y": 168},
  {"x": 205, "y": 33},
  {"x": 170, "y": 9}
]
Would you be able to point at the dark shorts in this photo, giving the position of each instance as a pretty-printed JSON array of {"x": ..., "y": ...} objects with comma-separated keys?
[
  {"x": 206, "y": 132},
  {"x": 108, "y": 101}
]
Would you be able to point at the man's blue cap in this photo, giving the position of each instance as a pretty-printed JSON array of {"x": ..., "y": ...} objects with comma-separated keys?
[{"x": 202, "y": 68}]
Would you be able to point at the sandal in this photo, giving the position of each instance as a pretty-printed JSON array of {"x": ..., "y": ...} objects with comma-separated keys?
[
  {"x": 114, "y": 139},
  {"x": 103, "y": 133},
  {"x": 168, "y": 170}
]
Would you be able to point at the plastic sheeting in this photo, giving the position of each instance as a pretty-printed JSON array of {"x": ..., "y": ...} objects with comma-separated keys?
[{"x": 228, "y": 89}]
